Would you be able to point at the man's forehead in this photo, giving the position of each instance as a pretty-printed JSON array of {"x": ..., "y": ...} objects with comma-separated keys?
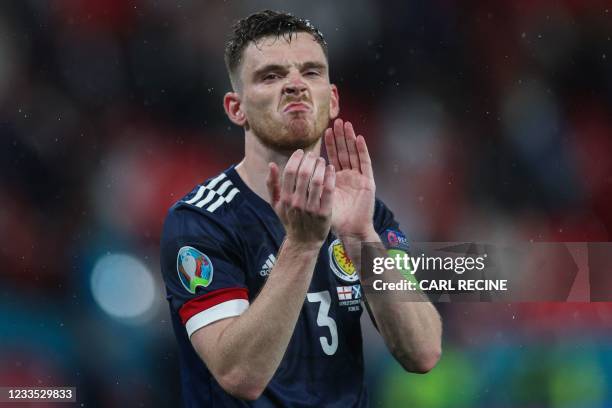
[{"x": 283, "y": 50}]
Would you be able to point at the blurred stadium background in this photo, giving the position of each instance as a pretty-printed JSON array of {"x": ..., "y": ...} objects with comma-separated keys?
[{"x": 486, "y": 121}]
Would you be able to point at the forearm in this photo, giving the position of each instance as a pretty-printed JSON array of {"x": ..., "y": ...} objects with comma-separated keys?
[
  {"x": 409, "y": 323},
  {"x": 254, "y": 344},
  {"x": 412, "y": 328}
]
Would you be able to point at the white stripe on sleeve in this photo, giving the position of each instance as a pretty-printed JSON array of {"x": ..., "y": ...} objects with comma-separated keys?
[
  {"x": 210, "y": 196},
  {"x": 231, "y": 195},
  {"x": 197, "y": 195},
  {"x": 215, "y": 181},
  {"x": 216, "y": 204},
  {"x": 231, "y": 308},
  {"x": 224, "y": 187}
]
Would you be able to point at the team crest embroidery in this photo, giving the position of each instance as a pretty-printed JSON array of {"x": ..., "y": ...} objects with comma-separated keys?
[
  {"x": 194, "y": 268},
  {"x": 340, "y": 263}
]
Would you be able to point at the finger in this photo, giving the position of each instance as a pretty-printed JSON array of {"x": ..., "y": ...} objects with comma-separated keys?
[
  {"x": 330, "y": 146},
  {"x": 343, "y": 156},
  {"x": 351, "y": 145},
  {"x": 290, "y": 174},
  {"x": 303, "y": 179},
  {"x": 327, "y": 195},
  {"x": 316, "y": 185},
  {"x": 364, "y": 157},
  {"x": 273, "y": 183}
]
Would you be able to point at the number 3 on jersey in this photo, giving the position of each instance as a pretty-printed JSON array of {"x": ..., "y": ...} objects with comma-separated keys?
[{"x": 325, "y": 320}]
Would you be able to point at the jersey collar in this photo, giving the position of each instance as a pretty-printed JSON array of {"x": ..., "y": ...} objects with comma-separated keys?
[{"x": 247, "y": 193}]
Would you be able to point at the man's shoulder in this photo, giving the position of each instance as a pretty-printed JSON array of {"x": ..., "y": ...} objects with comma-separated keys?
[
  {"x": 214, "y": 196},
  {"x": 388, "y": 227},
  {"x": 210, "y": 204}
]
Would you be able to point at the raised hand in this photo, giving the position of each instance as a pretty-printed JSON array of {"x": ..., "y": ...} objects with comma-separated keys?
[
  {"x": 303, "y": 197},
  {"x": 353, "y": 204}
]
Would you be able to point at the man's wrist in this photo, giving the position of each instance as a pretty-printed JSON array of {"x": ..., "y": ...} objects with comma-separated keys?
[
  {"x": 302, "y": 247},
  {"x": 368, "y": 235}
]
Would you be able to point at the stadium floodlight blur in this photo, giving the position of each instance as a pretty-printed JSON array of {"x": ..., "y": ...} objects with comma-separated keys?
[{"x": 123, "y": 287}]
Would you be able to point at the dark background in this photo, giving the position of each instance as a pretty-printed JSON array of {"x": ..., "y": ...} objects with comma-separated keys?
[{"x": 487, "y": 121}]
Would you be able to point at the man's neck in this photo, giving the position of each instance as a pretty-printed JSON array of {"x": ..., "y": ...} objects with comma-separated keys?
[{"x": 253, "y": 169}]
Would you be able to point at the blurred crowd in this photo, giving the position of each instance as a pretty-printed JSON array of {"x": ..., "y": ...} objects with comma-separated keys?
[{"x": 486, "y": 122}]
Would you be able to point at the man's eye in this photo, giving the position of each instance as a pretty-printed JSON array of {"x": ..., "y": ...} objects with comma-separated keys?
[
  {"x": 268, "y": 77},
  {"x": 312, "y": 73}
]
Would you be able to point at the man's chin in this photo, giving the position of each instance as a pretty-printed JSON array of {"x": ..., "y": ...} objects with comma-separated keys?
[
  {"x": 292, "y": 140},
  {"x": 299, "y": 129},
  {"x": 290, "y": 145},
  {"x": 295, "y": 133}
]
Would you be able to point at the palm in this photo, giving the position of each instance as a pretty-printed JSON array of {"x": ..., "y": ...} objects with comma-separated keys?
[{"x": 353, "y": 204}]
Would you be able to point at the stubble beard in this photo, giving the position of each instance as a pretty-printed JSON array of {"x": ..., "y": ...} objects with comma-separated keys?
[{"x": 297, "y": 133}]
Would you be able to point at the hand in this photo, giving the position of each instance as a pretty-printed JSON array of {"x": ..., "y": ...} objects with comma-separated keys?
[
  {"x": 303, "y": 198},
  {"x": 353, "y": 204}
]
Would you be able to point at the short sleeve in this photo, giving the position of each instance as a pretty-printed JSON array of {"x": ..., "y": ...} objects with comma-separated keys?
[
  {"x": 391, "y": 235},
  {"x": 389, "y": 229},
  {"x": 202, "y": 269}
]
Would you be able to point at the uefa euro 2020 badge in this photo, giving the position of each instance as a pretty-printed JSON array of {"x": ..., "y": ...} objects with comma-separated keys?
[
  {"x": 340, "y": 263},
  {"x": 194, "y": 268}
]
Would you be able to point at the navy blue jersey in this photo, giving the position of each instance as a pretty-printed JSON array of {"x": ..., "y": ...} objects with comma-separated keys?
[{"x": 218, "y": 246}]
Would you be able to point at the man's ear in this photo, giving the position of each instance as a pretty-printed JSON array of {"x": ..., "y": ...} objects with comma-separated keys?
[
  {"x": 334, "y": 103},
  {"x": 233, "y": 108}
]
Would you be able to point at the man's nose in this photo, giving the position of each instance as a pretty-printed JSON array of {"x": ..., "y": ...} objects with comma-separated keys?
[{"x": 295, "y": 85}]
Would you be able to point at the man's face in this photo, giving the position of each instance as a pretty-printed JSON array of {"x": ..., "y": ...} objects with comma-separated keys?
[{"x": 286, "y": 95}]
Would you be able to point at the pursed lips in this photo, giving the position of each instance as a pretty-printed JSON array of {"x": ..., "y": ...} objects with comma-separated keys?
[{"x": 296, "y": 106}]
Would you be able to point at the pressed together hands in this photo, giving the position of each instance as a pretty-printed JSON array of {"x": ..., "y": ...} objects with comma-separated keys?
[{"x": 311, "y": 197}]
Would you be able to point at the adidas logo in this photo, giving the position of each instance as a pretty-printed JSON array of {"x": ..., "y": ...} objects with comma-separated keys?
[
  {"x": 267, "y": 266},
  {"x": 212, "y": 197}
]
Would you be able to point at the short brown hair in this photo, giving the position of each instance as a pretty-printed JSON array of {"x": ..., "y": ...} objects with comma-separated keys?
[{"x": 262, "y": 24}]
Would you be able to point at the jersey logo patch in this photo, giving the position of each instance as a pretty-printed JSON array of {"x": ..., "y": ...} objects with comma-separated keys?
[
  {"x": 350, "y": 296},
  {"x": 194, "y": 268},
  {"x": 349, "y": 292},
  {"x": 396, "y": 239},
  {"x": 267, "y": 266},
  {"x": 340, "y": 263}
]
